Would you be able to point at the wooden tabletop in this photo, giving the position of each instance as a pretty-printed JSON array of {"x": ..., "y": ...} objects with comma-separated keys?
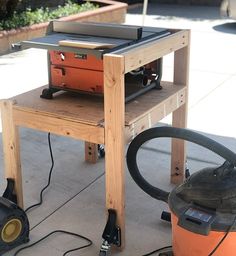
[
  {"x": 88, "y": 109},
  {"x": 77, "y": 107}
]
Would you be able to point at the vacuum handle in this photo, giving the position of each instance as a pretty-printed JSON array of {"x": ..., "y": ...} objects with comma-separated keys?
[
  {"x": 196, "y": 225},
  {"x": 169, "y": 132}
]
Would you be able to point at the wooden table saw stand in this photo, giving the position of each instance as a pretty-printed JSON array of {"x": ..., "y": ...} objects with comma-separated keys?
[{"x": 110, "y": 122}]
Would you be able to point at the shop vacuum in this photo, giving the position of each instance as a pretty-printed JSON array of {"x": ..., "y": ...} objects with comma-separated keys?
[
  {"x": 203, "y": 208},
  {"x": 14, "y": 224}
]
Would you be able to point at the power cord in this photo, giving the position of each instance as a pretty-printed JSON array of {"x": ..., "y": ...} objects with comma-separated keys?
[
  {"x": 49, "y": 176},
  {"x": 41, "y": 201},
  {"x": 58, "y": 231},
  {"x": 158, "y": 250}
]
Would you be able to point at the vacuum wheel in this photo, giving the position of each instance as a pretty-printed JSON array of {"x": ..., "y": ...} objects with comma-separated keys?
[
  {"x": 11, "y": 230},
  {"x": 14, "y": 226}
]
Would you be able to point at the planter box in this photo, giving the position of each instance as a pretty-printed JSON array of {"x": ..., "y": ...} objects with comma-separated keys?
[{"x": 109, "y": 11}]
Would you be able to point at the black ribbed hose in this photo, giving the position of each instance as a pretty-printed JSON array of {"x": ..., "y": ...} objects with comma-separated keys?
[{"x": 169, "y": 132}]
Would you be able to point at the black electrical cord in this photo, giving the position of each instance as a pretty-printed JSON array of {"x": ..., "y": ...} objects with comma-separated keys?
[
  {"x": 41, "y": 201},
  {"x": 58, "y": 231},
  {"x": 49, "y": 176},
  {"x": 158, "y": 250}
]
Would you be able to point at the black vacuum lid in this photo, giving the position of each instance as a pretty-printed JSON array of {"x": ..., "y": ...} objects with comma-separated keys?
[
  {"x": 213, "y": 188},
  {"x": 206, "y": 200}
]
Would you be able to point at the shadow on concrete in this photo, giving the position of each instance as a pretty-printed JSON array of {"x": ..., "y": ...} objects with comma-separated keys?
[
  {"x": 229, "y": 27},
  {"x": 4, "y": 64},
  {"x": 195, "y": 13}
]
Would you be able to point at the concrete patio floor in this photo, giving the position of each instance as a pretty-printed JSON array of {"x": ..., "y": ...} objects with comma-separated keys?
[{"x": 76, "y": 198}]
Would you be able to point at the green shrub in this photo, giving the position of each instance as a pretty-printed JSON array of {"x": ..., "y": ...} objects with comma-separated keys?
[{"x": 29, "y": 17}]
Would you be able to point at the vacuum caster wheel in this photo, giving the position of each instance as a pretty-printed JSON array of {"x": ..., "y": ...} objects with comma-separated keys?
[{"x": 46, "y": 94}]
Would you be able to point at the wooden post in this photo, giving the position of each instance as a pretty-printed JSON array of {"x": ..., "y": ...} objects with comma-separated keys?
[
  {"x": 179, "y": 117},
  {"x": 114, "y": 109},
  {"x": 91, "y": 152},
  {"x": 11, "y": 149}
]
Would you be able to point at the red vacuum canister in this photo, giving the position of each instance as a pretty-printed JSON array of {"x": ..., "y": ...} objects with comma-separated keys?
[
  {"x": 203, "y": 208},
  {"x": 186, "y": 243},
  {"x": 203, "y": 213}
]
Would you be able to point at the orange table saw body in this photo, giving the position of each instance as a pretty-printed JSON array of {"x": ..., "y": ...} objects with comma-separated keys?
[
  {"x": 75, "y": 56},
  {"x": 75, "y": 71}
]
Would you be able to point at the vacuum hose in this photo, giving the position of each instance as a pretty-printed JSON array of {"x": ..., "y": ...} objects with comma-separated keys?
[{"x": 169, "y": 132}]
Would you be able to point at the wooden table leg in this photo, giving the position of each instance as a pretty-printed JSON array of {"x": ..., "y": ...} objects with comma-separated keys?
[
  {"x": 114, "y": 109},
  {"x": 179, "y": 116},
  {"x": 11, "y": 149},
  {"x": 91, "y": 152}
]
